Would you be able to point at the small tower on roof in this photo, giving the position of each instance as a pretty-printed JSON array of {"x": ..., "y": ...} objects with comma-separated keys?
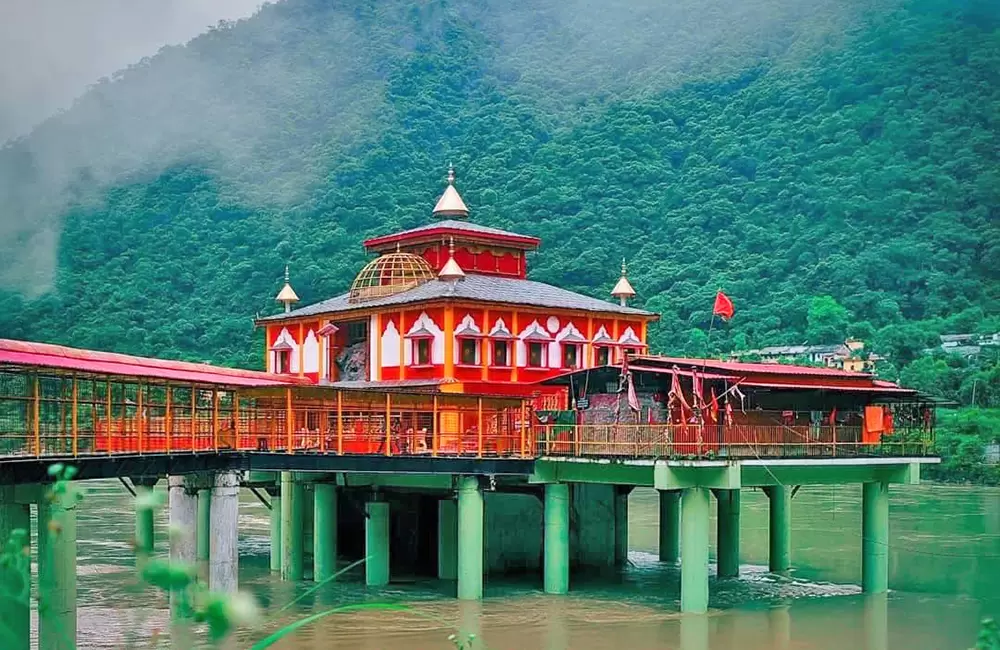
[
  {"x": 287, "y": 295},
  {"x": 623, "y": 290},
  {"x": 451, "y": 272},
  {"x": 451, "y": 205}
]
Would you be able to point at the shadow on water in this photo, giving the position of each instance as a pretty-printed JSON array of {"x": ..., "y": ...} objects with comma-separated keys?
[{"x": 944, "y": 565}]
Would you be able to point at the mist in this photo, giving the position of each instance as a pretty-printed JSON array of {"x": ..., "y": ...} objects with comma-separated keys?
[
  {"x": 306, "y": 74},
  {"x": 52, "y": 50}
]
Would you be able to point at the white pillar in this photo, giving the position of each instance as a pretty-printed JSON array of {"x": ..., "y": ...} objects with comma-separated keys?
[
  {"x": 183, "y": 522},
  {"x": 223, "y": 567}
]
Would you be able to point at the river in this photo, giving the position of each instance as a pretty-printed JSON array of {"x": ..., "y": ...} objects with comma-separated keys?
[{"x": 944, "y": 576}]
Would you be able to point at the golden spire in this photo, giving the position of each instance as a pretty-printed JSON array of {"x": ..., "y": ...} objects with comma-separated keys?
[
  {"x": 451, "y": 271},
  {"x": 451, "y": 204},
  {"x": 623, "y": 290},
  {"x": 287, "y": 295}
]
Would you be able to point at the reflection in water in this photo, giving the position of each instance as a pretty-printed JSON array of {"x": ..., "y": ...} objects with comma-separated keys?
[{"x": 944, "y": 565}]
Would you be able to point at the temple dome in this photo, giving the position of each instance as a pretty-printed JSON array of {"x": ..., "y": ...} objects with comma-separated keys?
[{"x": 390, "y": 274}]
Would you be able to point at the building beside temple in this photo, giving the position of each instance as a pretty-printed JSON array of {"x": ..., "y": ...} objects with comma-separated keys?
[
  {"x": 849, "y": 355},
  {"x": 447, "y": 306}
]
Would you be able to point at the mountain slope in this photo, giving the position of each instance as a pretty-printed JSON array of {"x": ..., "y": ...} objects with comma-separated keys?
[{"x": 782, "y": 154}]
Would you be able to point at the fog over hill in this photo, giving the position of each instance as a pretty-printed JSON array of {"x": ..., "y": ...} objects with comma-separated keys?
[{"x": 51, "y": 50}]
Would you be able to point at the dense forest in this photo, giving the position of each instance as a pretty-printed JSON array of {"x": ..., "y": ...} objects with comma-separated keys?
[{"x": 833, "y": 166}]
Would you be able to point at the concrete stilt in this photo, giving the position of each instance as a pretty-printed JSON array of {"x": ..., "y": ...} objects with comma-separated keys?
[
  {"x": 15, "y": 611},
  {"x": 144, "y": 528},
  {"x": 779, "y": 622},
  {"x": 57, "y": 574},
  {"x": 876, "y": 622},
  {"x": 875, "y": 538},
  {"x": 291, "y": 527},
  {"x": 621, "y": 526},
  {"x": 447, "y": 539},
  {"x": 780, "y": 529},
  {"x": 223, "y": 567},
  {"x": 183, "y": 522},
  {"x": 275, "y": 495},
  {"x": 324, "y": 531},
  {"x": 377, "y": 544},
  {"x": 670, "y": 525},
  {"x": 556, "y": 551},
  {"x": 470, "y": 539},
  {"x": 728, "y": 521},
  {"x": 694, "y": 541},
  {"x": 204, "y": 528},
  {"x": 694, "y": 632}
]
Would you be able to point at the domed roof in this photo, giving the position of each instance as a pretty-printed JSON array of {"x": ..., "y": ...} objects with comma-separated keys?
[{"x": 390, "y": 274}]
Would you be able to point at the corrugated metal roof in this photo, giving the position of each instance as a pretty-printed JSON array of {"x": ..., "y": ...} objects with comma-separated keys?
[
  {"x": 483, "y": 288},
  {"x": 761, "y": 368},
  {"x": 44, "y": 355}
]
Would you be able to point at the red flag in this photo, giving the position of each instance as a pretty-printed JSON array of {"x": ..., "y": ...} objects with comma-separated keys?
[
  {"x": 723, "y": 307},
  {"x": 713, "y": 408},
  {"x": 833, "y": 417},
  {"x": 729, "y": 412}
]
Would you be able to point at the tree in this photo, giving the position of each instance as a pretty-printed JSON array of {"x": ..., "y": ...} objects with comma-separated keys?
[{"x": 826, "y": 321}]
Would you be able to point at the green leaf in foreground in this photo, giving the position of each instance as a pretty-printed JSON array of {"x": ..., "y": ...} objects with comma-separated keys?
[{"x": 302, "y": 622}]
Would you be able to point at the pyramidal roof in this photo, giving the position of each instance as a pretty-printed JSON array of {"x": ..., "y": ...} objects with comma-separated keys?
[{"x": 451, "y": 204}]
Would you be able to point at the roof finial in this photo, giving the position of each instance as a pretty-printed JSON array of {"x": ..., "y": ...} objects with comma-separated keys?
[
  {"x": 451, "y": 272},
  {"x": 287, "y": 295},
  {"x": 451, "y": 205},
  {"x": 623, "y": 290}
]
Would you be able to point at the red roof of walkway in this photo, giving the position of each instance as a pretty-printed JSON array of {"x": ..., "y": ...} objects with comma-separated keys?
[{"x": 44, "y": 355}]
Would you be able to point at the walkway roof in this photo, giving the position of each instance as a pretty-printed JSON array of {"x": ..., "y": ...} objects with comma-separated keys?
[{"x": 76, "y": 360}]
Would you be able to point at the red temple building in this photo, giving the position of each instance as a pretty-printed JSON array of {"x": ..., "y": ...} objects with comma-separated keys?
[{"x": 448, "y": 306}]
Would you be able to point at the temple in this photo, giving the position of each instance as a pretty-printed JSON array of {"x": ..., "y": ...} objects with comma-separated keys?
[
  {"x": 447, "y": 306},
  {"x": 471, "y": 420}
]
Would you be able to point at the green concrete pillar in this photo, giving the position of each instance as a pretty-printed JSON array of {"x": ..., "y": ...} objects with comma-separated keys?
[
  {"x": 670, "y": 525},
  {"x": 694, "y": 541},
  {"x": 876, "y": 623},
  {"x": 621, "y": 526},
  {"x": 291, "y": 527},
  {"x": 144, "y": 540},
  {"x": 470, "y": 539},
  {"x": 780, "y": 529},
  {"x": 556, "y": 539},
  {"x": 694, "y": 632},
  {"x": 204, "y": 529},
  {"x": 377, "y": 544},
  {"x": 15, "y": 612},
  {"x": 728, "y": 521},
  {"x": 875, "y": 538},
  {"x": 779, "y": 623},
  {"x": 447, "y": 539},
  {"x": 275, "y": 530},
  {"x": 57, "y": 574},
  {"x": 324, "y": 532}
]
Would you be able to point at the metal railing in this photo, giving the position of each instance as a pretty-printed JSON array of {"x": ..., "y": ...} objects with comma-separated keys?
[
  {"x": 738, "y": 441},
  {"x": 58, "y": 416}
]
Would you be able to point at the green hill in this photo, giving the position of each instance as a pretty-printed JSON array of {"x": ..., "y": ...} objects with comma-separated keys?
[{"x": 784, "y": 151}]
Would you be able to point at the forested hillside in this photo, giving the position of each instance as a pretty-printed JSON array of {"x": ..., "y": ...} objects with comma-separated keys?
[{"x": 833, "y": 166}]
